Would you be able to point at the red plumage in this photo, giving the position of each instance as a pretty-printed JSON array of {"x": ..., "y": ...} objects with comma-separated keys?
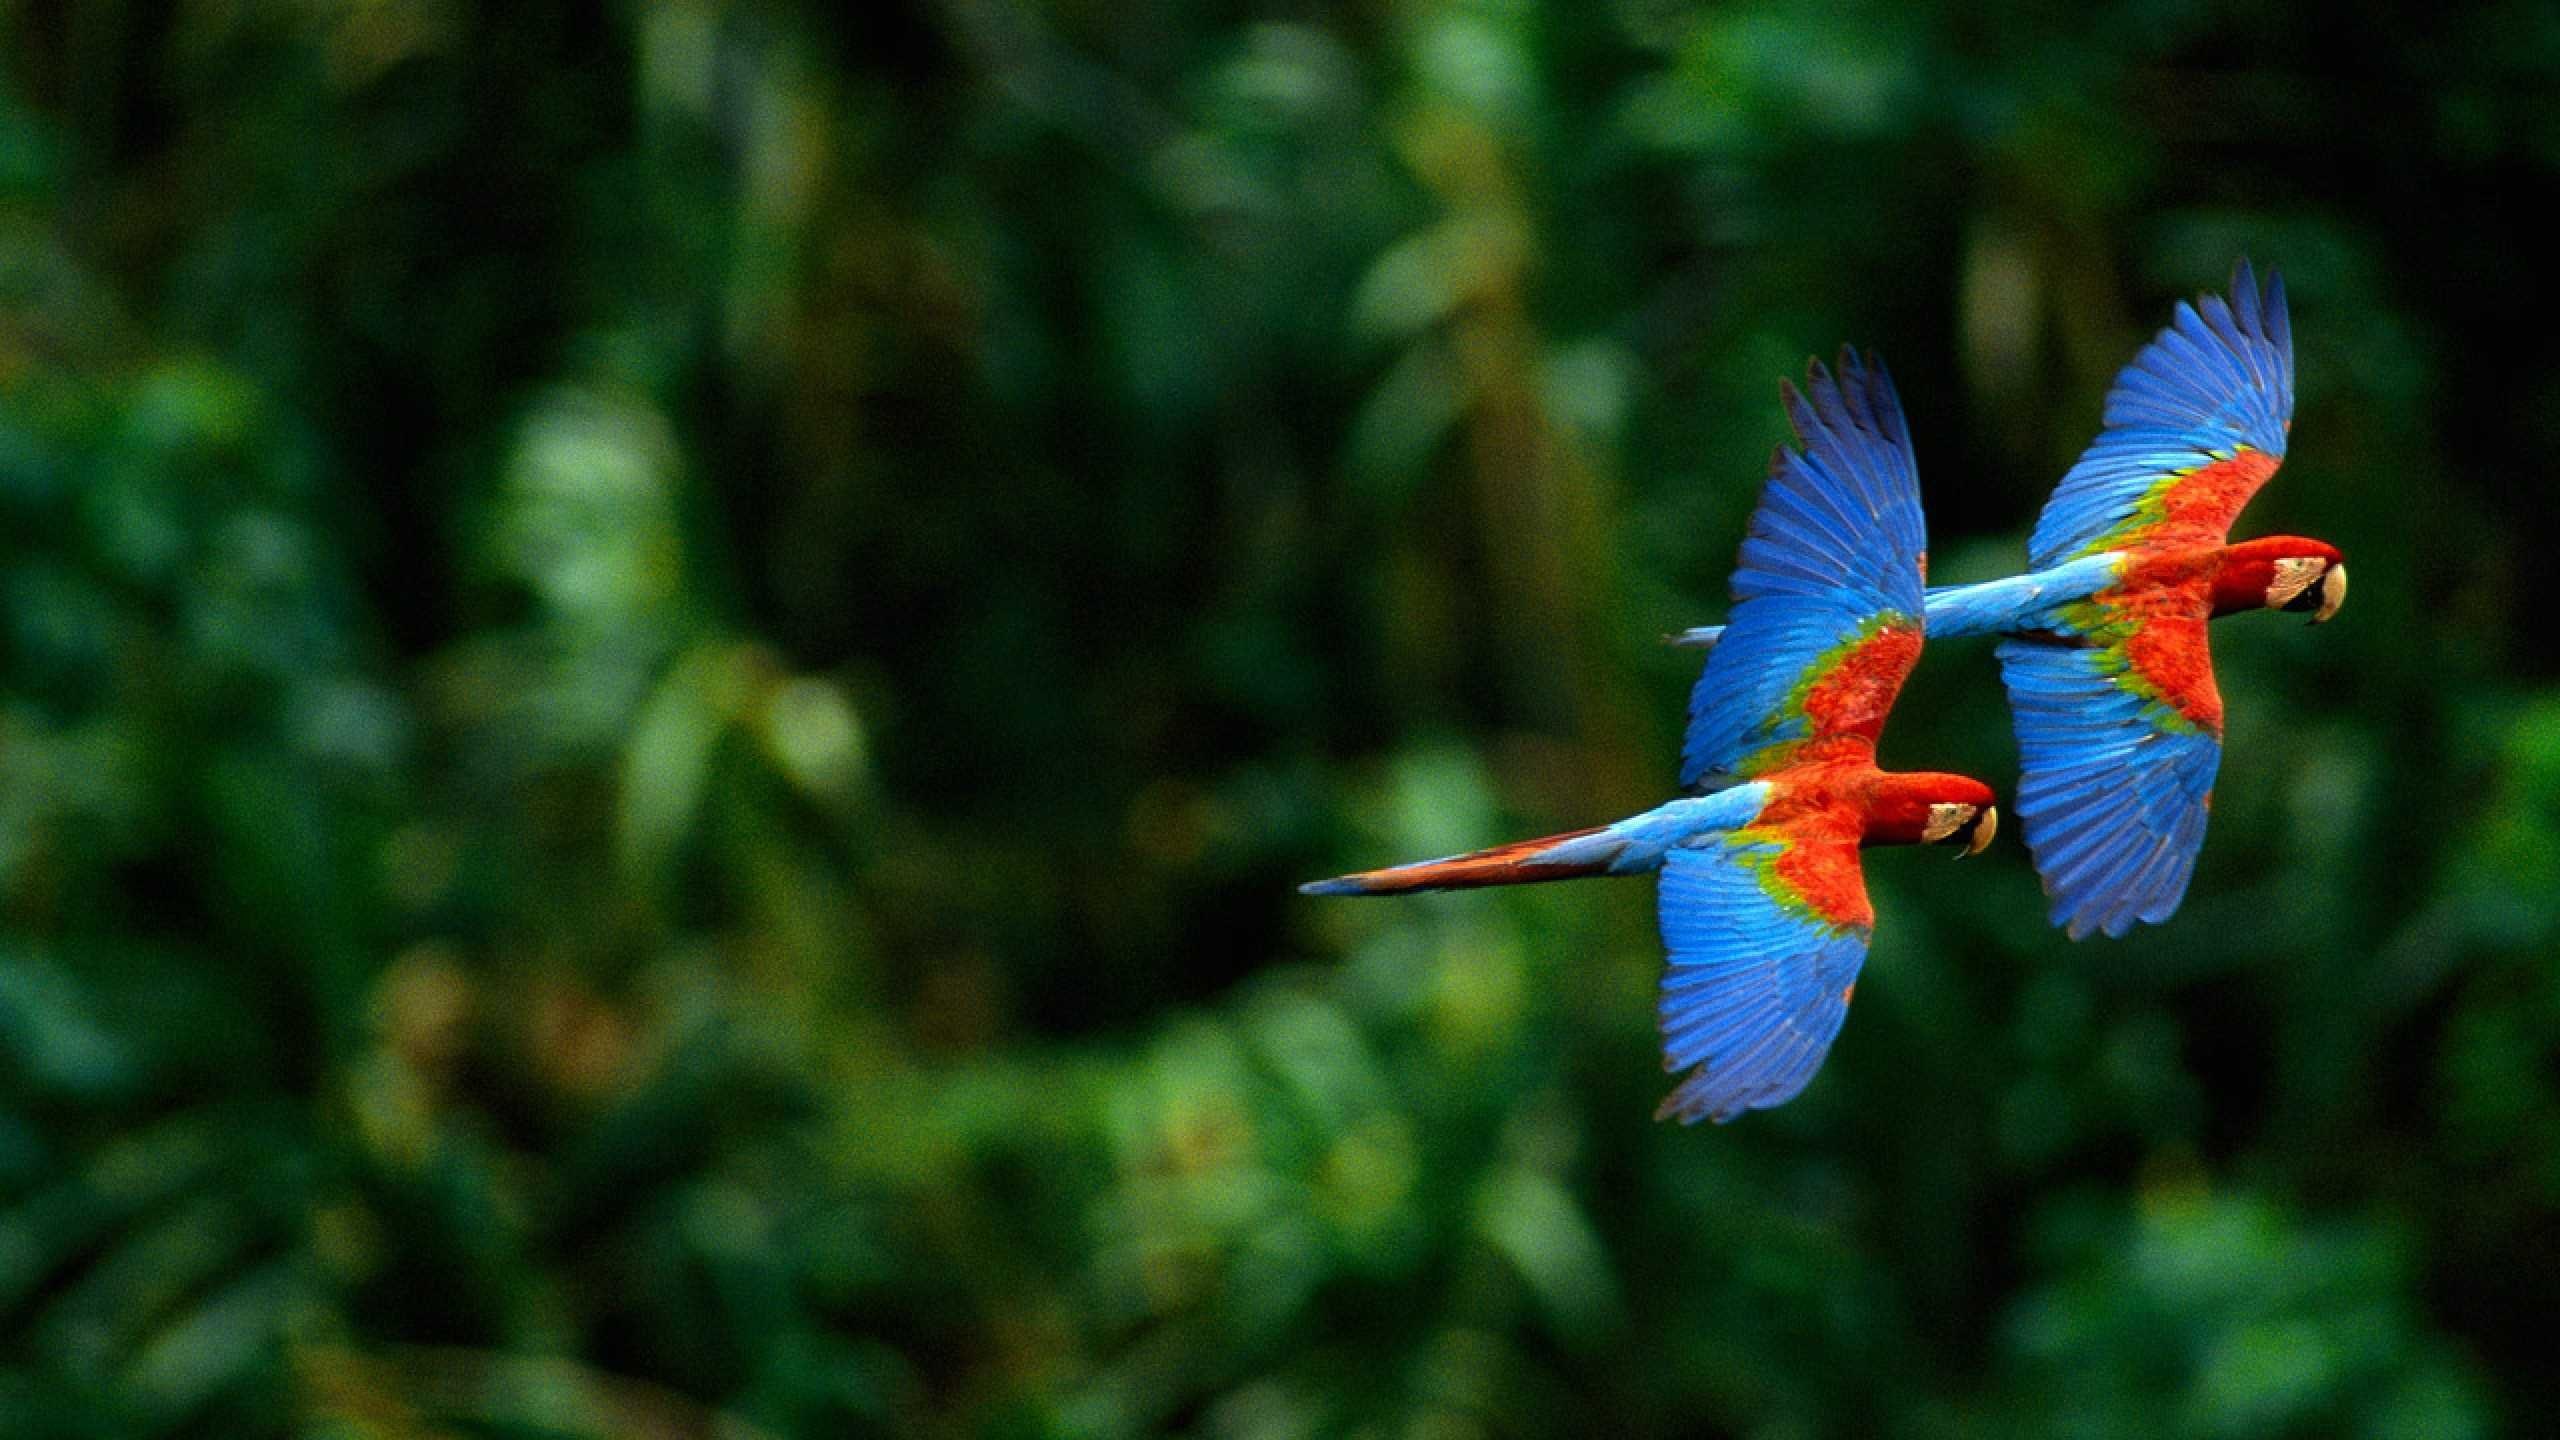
[
  {"x": 1855, "y": 697},
  {"x": 1829, "y": 809},
  {"x": 2197, "y": 509}
]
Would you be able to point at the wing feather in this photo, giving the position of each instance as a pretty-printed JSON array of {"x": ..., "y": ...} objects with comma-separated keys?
[
  {"x": 2115, "y": 773},
  {"x": 2194, "y": 426},
  {"x": 1758, "y": 983},
  {"x": 1828, "y": 586}
]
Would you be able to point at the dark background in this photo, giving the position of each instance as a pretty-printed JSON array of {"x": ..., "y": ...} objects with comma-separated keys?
[{"x": 664, "y": 669}]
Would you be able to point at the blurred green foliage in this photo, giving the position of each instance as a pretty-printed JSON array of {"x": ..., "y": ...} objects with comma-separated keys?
[{"x": 663, "y": 668}]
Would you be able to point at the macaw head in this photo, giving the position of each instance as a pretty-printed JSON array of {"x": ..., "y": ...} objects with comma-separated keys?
[
  {"x": 1928, "y": 808},
  {"x": 2282, "y": 572}
]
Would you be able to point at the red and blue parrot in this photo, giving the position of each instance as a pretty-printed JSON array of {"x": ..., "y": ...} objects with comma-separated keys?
[
  {"x": 1762, "y": 901},
  {"x": 2110, "y": 680}
]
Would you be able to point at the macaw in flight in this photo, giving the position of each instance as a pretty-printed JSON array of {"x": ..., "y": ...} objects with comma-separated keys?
[
  {"x": 1763, "y": 905},
  {"x": 2110, "y": 679}
]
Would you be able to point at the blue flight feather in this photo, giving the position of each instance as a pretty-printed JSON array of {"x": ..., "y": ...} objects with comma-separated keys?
[
  {"x": 2218, "y": 377},
  {"x": 2113, "y": 789},
  {"x": 1754, "y": 993},
  {"x": 1835, "y": 545}
]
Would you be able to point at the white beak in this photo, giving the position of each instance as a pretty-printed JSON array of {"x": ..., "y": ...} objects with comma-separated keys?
[
  {"x": 2333, "y": 593},
  {"x": 1983, "y": 830}
]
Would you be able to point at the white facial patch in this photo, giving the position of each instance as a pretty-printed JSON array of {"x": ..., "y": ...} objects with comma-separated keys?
[
  {"x": 2292, "y": 578},
  {"x": 1943, "y": 821}
]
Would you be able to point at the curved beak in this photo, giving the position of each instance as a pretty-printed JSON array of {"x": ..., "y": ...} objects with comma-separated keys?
[
  {"x": 2333, "y": 593},
  {"x": 1984, "y": 827}
]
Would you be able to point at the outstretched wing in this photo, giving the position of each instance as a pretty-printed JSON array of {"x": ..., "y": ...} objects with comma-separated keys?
[
  {"x": 1826, "y": 619},
  {"x": 2193, "y": 427},
  {"x": 2119, "y": 736},
  {"x": 1766, "y": 929}
]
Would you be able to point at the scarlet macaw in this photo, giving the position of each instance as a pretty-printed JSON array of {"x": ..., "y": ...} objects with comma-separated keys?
[
  {"x": 1762, "y": 902},
  {"x": 2110, "y": 679}
]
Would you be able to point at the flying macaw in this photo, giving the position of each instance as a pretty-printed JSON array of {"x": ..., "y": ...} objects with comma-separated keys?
[
  {"x": 2110, "y": 679},
  {"x": 1762, "y": 902}
]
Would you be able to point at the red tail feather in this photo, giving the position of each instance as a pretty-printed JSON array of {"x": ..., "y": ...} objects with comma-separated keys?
[{"x": 1517, "y": 863}]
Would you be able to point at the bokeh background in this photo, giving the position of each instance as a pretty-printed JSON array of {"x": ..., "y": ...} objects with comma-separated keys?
[{"x": 664, "y": 668}]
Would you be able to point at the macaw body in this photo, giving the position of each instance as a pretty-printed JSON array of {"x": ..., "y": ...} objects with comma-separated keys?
[
  {"x": 2104, "y": 654},
  {"x": 1762, "y": 900}
]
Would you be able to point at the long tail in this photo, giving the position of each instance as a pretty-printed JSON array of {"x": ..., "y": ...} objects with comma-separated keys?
[
  {"x": 1522, "y": 862},
  {"x": 2017, "y": 605}
]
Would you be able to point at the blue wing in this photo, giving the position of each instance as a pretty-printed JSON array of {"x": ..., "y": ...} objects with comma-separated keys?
[
  {"x": 1833, "y": 561},
  {"x": 2193, "y": 427},
  {"x": 1757, "y": 985},
  {"x": 2114, "y": 782}
]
